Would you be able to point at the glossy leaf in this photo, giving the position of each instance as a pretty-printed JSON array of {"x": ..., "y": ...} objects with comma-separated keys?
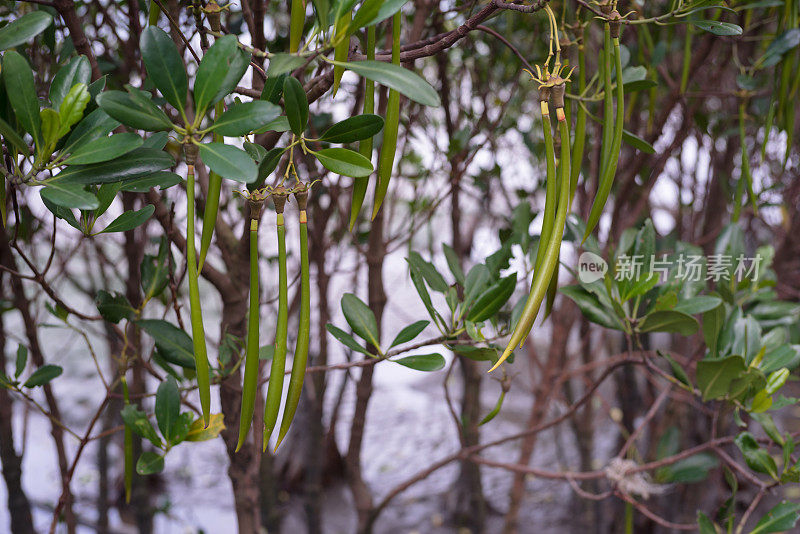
[
  {"x": 241, "y": 119},
  {"x": 229, "y": 162},
  {"x": 24, "y": 28},
  {"x": 410, "y": 332},
  {"x": 490, "y": 301},
  {"x": 76, "y": 71},
  {"x": 353, "y": 129},
  {"x": 714, "y": 377},
  {"x": 96, "y": 125},
  {"x": 167, "y": 408},
  {"x": 669, "y": 321},
  {"x": 149, "y": 463},
  {"x": 717, "y": 28},
  {"x": 113, "y": 307},
  {"x": 43, "y": 375},
  {"x": 174, "y": 344},
  {"x": 346, "y": 339},
  {"x": 756, "y": 458},
  {"x": 296, "y": 104},
  {"x": 22, "y": 359},
  {"x": 345, "y": 162},
  {"x": 129, "y": 220},
  {"x": 361, "y": 319},
  {"x": 69, "y": 196},
  {"x": 104, "y": 149},
  {"x": 21, "y": 93},
  {"x": 164, "y": 65},
  {"x": 283, "y": 63},
  {"x": 781, "y": 518},
  {"x": 212, "y": 70},
  {"x": 422, "y": 362},
  {"x": 386, "y": 10},
  {"x": 395, "y": 77},
  {"x": 135, "y": 164},
  {"x": 72, "y": 108},
  {"x": 140, "y": 114},
  {"x": 162, "y": 180},
  {"x": 591, "y": 307}
]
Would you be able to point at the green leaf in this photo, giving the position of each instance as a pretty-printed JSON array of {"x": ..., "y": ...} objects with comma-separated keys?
[
  {"x": 496, "y": 410},
  {"x": 229, "y": 162},
  {"x": 51, "y": 125},
  {"x": 72, "y": 108},
  {"x": 637, "y": 85},
  {"x": 427, "y": 270},
  {"x": 637, "y": 142},
  {"x": 591, "y": 308},
  {"x": 395, "y": 77},
  {"x": 241, "y": 119},
  {"x": 104, "y": 149},
  {"x": 113, "y": 308},
  {"x": 714, "y": 377},
  {"x": 137, "y": 421},
  {"x": 712, "y": 326},
  {"x": 149, "y": 463},
  {"x": 164, "y": 65},
  {"x": 212, "y": 70},
  {"x": 140, "y": 114},
  {"x": 677, "y": 371},
  {"x": 454, "y": 264},
  {"x": 477, "y": 279},
  {"x": 95, "y": 125},
  {"x": 346, "y": 339},
  {"x": 162, "y": 180},
  {"x": 154, "y": 270},
  {"x": 422, "y": 362},
  {"x": 24, "y": 28},
  {"x": 21, "y": 92},
  {"x": 699, "y": 304},
  {"x": 689, "y": 470},
  {"x": 491, "y": 300},
  {"x": 266, "y": 353},
  {"x": 669, "y": 321},
  {"x": 129, "y": 220},
  {"x": 69, "y": 196},
  {"x": 22, "y": 359},
  {"x": 168, "y": 406},
  {"x": 43, "y": 375},
  {"x": 776, "y": 380},
  {"x": 283, "y": 63},
  {"x": 717, "y": 28},
  {"x": 76, "y": 71},
  {"x": 268, "y": 164},
  {"x": 296, "y": 104},
  {"x": 140, "y": 162},
  {"x": 344, "y": 161},
  {"x": 10, "y": 135},
  {"x": 273, "y": 89},
  {"x": 410, "y": 332},
  {"x": 279, "y": 124},
  {"x": 174, "y": 344},
  {"x": 353, "y": 129},
  {"x": 755, "y": 457},
  {"x": 386, "y": 10},
  {"x": 361, "y": 319},
  {"x": 239, "y": 62},
  {"x": 197, "y": 432},
  {"x": 777, "y": 48},
  {"x": 781, "y": 518},
  {"x": 704, "y": 524}
]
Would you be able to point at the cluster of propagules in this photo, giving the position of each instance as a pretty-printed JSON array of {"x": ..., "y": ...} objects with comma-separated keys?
[{"x": 256, "y": 200}]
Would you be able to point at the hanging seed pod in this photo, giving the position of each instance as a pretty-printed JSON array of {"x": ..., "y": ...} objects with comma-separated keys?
[
  {"x": 276, "y": 374},
  {"x": 195, "y": 309},
  {"x": 364, "y": 146},
  {"x": 391, "y": 127},
  {"x": 250, "y": 383},
  {"x": 304, "y": 328},
  {"x": 611, "y": 155}
]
